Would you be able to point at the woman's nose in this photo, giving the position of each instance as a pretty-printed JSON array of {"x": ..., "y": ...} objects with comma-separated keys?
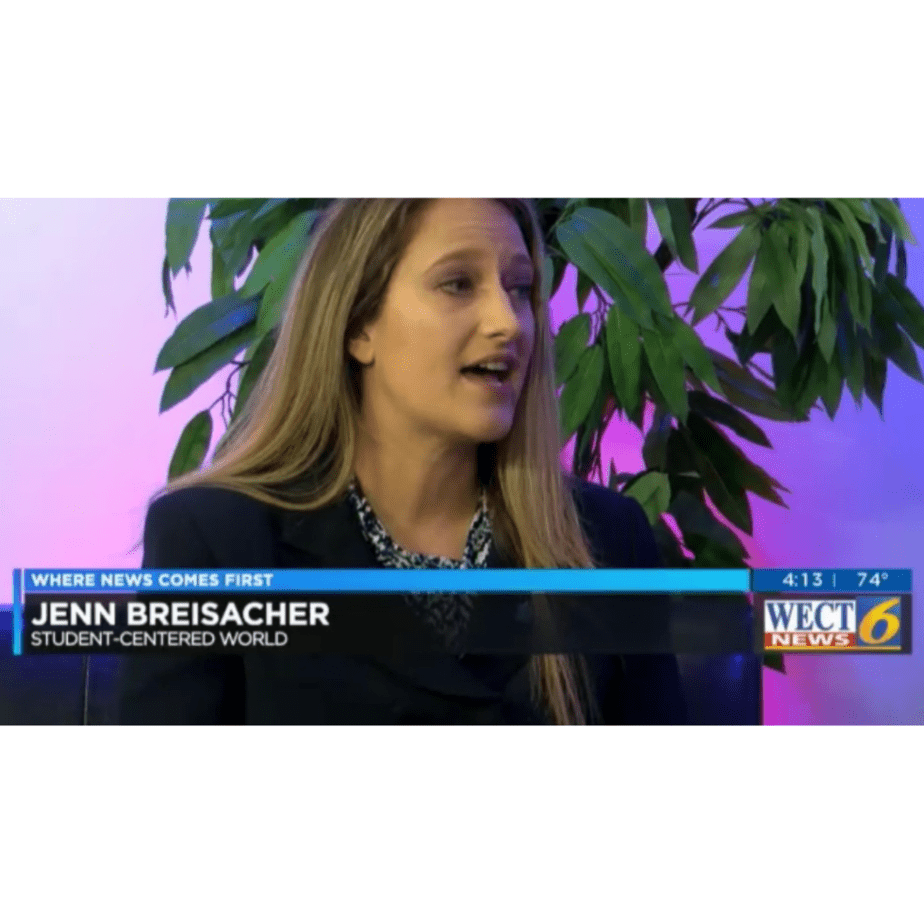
[{"x": 501, "y": 312}]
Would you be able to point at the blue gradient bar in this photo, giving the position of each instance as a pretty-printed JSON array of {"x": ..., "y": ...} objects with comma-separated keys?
[
  {"x": 17, "y": 611},
  {"x": 388, "y": 580},
  {"x": 833, "y": 580}
]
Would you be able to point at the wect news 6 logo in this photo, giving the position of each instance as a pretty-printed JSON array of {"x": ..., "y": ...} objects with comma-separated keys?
[{"x": 863, "y": 623}]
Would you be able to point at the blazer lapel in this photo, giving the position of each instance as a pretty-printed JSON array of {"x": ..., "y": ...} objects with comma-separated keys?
[
  {"x": 330, "y": 537},
  {"x": 327, "y": 537}
]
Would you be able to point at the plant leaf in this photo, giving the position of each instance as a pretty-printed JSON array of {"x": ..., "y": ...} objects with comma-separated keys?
[
  {"x": 901, "y": 262},
  {"x": 785, "y": 356},
  {"x": 882, "y": 257},
  {"x": 865, "y": 214},
  {"x": 694, "y": 353},
  {"x": 833, "y": 389},
  {"x": 653, "y": 491},
  {"x": 166, "y": 284},
  {"x": 875, "y": 369},
  {"x": 624, "y": 353},
  {"x": 669, "y": 547},
  {"x": 895, "y": 345},
  {"x": 748, "y": 393},
  {"x": 621, "y": 208},
  {"x": 852, "y": 228},
  {"x": 570, "y": 344},
  {"x": 738, "y": 472},
  {"x": 638, "y": 218},
  {"x": 906, "y": 303},
  {"x": 561, "y": 266},
  {"x": 819, "y": 247},
  {"x": 724, "y": 273},
  {"x": 848, "y": 267},
  {"x": 186, "y": 378},
  {"x": 274, "y": 214},
  {"x": 668, "y": 369},
  {"x": 682, "y": 223},
  {"x": 906, "y": 358},
  {"x": 580, "y": 391},
  {"x": 734, "y": 507},
  {"x": 184, "y": 219},
  {"x": 849, "y": 355},
  {"x": 192, "y": 447},
  {"x": 664, "y": 221},
  {"x": 584, "y": 457},
  {"x": 226, "y": 208},
  {"x": 748, "y": 345},
  {"x": 782, "y": 277},
  {"x": 723, "y": 413},
  {"x": 222, "y": 280},
  {"x": 738, "y": 219},
  {"x": 864, "y": 287},
  {"x": 773, "y": 660},
  {"x": 234, "y": 237},
  {"x": 893, "y": 215},
  {"x": 673, "y": 219},
  {"x": 710, "y": 555},
  {"x": 695, "y": 519},
  {"x": 813, "y": 382},
  {"x": 654, "y": 449},
  {"x": 762, "y": 285},
  {"x": 827, "y": 336},
  {"x": 275, "y": 269},
  {"x": 625, "y": 257},
  {"x": 204, "y": 327},
  {"x": 802, "y": 239},
  {"x": 586, "y": 260},
  {"x": 584, "y": 286}
]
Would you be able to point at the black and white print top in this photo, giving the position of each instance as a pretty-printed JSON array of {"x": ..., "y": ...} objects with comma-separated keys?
[{"x": 448, "y": 614}]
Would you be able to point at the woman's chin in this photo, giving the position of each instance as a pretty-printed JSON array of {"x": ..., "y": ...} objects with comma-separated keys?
[{"x": 493, "y": 430}]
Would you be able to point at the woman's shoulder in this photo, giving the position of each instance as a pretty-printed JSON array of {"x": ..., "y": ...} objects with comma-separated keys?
[
  {"x": 209, "y": 523},
  {"x": 597, "y": 497},
  {"x": 207, "y": 505},
  {"x": 616, "y": 526},
  {"x": 601, "y": 505}
]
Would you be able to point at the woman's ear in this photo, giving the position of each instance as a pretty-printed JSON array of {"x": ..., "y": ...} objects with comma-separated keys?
[{"x": 360, "y": 348}]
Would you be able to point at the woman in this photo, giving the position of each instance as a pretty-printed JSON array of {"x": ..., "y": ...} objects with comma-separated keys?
[{"x": 407, "y": 418}]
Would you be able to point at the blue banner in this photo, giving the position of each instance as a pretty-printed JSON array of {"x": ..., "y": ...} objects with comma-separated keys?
[
  {"x": 833, "y": 580},
  {"x": 385, "y": 580}
]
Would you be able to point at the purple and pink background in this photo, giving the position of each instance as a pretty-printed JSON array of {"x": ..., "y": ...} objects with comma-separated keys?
[{"x": 83, "y": 320}]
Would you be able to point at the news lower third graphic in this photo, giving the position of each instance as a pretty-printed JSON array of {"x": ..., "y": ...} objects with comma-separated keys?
[
  {"x": 867, "y": 623},
  {"x": 838, "y": 611},
  {"x": 366, "y": 611}
]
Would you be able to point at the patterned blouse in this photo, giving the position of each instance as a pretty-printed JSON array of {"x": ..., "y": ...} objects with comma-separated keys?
[{"x": 448, "y": 614}]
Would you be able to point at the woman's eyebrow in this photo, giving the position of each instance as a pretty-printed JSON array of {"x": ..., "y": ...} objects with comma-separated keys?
[{"x": 477, "y": 253}]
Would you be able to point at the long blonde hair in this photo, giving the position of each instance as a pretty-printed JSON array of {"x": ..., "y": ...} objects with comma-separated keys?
[{"x": 301, "y": 416}]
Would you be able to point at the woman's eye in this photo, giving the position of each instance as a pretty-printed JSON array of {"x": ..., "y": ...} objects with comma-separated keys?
[
  {"x": 463, "y": 280},
  {"x": 526, "y": 290}
]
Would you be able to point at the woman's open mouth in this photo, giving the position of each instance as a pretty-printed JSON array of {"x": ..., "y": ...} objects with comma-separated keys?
[
  {"x": 489, "y": 372},
  {"x": 494, "y": 378}
]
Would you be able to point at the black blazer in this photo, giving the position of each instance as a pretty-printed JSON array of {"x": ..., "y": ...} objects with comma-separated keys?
[{"x": 210, "y": 527}]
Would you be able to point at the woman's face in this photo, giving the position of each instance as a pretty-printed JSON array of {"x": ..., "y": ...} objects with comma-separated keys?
[{"x": 459, "y": 298}]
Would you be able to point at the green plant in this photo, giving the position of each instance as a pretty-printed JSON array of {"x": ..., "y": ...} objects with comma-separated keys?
[{"x": 824, "y": 306}]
